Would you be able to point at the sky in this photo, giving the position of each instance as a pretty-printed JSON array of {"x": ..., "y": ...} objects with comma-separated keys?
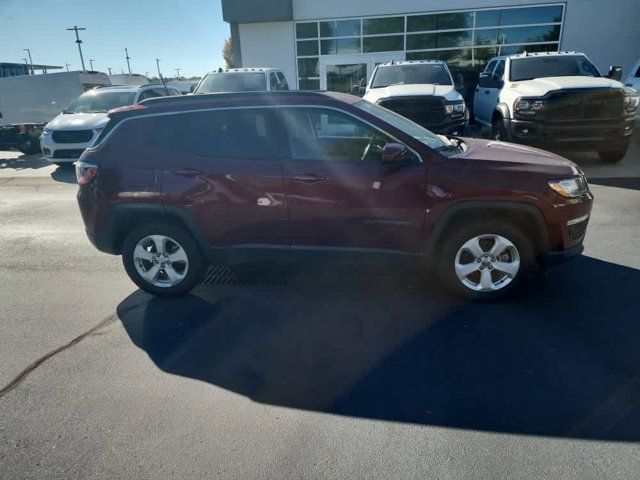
[{"x": 185, "y": 34}]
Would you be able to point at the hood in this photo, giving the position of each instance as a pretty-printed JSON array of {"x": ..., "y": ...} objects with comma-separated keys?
[
  {"x": 541, "y": 86},
  {"x": 78, "y": 121},
  {"x": 419, "y": 89},
  {"x": 517, "y": 157}
]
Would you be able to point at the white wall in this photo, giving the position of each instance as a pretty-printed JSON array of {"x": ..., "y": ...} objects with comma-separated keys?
[
  {"x": 270, "y": 44},
  {"x": 608, "y": 31}
]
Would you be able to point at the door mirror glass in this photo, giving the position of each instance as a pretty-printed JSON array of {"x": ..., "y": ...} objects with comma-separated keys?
[
  {"x": 394, "y": 153},
  {"x": 615, "y": 72}
]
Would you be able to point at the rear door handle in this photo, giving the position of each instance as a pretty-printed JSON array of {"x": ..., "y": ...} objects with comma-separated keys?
[
  {"x": 187, "y": 172},
  {"x": 308, "y": 178}
]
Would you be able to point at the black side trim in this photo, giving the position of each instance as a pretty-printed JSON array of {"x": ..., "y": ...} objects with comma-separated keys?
[
  {"x": 471, "y": 206},
  {"x": 553, "y": 258}
]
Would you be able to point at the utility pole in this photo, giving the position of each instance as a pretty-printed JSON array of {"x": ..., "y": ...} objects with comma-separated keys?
[
  {"x": 178, "y": 72},
  {"x": 126, "y": 53},
  {"x": 158, "y": 65},
  {"x": 67, "y": 65},
  {"x": 109, "y": 68},
  {"x": 26, "y": 62},
  {"x": 91, "y": 60},
  {"x": 146, "y": 74},
  {"x": 78, "y": 41},
  {"x": 30, "y": 60}
]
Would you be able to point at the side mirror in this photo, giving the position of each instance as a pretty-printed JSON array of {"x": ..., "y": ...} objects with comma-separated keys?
[
  {"x": 394, "y": 153},
  {"x": 615, "y": 72}
]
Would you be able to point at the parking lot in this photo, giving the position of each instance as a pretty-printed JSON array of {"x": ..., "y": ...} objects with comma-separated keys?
[{"x": 314, "y": 371}]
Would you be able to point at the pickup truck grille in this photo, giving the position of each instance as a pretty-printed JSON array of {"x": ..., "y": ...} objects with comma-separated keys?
[
  {"x": 72, "y": 136},
  {"x": 578, "y": 104},
  {"x": 425, "y": 111}
]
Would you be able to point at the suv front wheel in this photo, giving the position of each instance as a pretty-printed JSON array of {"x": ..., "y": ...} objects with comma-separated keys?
[
  {"x": 163, "y": 259},
  {"x": 485, "y": 261}
]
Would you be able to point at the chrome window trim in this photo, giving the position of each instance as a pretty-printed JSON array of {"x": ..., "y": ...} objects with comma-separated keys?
[{"x": 247, "y": 107}]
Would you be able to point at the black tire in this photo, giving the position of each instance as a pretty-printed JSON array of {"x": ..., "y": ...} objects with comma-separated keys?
[
  {"x": 454, "y": 240},
  {"x": 29, "y": 147},
  {"x": 196, "y": 261},
  {"x": 498, "y": 130},
  {"x": 614, "y": 155}
]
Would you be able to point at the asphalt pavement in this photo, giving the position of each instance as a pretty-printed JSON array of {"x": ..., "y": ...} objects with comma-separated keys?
[{"x": 315, "y": 371}]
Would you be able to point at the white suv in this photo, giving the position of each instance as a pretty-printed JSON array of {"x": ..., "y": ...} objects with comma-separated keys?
[
  {"x": 65, "y": 137},
  {"x": 556, "y": 99},
  {"x": 422, "y": 91},
  {"x": 242, "y": 80}
]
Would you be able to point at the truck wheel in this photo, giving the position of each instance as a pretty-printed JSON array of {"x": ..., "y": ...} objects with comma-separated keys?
[
  {"x": 485, "y": 260},
  {"x": 29, "y": 147},
  {"x": 163, "y": 259},
  {"x": 498, "y": 131},
  {"x": 614, "y": 155}
]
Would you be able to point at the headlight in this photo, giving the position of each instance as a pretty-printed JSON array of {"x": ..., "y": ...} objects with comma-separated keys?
[
  {"x": 528, "y": 106},
  {"x": 569, "y": 187},
  {"x": 45, "y": 132},
  {"x": 456, "y": 108},
  {"x": 631, "y": 101}
]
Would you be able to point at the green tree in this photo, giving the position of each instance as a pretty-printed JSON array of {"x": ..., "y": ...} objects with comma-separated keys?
[{"x": 227, "y": 53}]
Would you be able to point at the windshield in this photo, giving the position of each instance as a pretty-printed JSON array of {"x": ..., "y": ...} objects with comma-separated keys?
[
  {"x": 233, "y": 82},
  {"x": 430, "y": 139},
  {"x": 411, "y": 75},
  {"x": 553, "y": 66},
  {"x": 100, "y": 101}
]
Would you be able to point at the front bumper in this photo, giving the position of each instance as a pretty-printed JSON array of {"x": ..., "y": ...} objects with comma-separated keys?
[
  {"x": 561, "y": 256},
  {"x": 62, "y": 152},
  {"x": 588, "y": 134}
]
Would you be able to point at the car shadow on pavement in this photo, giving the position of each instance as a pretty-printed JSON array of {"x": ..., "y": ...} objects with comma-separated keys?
[
  {"x": 628, "y": 183},
  {"x": 561, "y": 360},
  {"x": 24, "y": 162},
  {"x": 65, "y": 173}
]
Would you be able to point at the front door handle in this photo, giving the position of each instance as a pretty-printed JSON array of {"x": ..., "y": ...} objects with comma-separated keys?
[
  {"x": 487, "y": 92},
  {"x": 308, "y": 178},
  {"x": 187, "y": 172}
]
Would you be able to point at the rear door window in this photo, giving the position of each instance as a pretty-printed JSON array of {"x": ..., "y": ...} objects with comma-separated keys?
[{"x": 228, "y": 134}]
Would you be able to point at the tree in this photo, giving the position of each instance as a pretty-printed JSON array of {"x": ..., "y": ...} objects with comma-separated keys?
[{"x": 227, "y": 53}]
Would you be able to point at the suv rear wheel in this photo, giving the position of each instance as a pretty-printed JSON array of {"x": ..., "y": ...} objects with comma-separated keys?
[
  {"x": 486, "y": 260},
  {"x": 614, "y": 155},
  {"x": 163, "y": 259}
]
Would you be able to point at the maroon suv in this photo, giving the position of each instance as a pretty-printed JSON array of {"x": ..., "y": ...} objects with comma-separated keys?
[{"x": 174, "y": 183}]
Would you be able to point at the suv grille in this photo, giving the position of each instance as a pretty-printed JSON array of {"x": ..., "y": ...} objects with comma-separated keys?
[
  {"x": 70, "y": 153},
  {"x": 425, "y": 111},
  {"x": 72, "y": 136},
  {"x": 579, "y": 104}
]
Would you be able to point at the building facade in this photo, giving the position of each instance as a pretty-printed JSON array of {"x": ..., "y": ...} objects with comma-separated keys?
[{"x": 335, "y": 44}]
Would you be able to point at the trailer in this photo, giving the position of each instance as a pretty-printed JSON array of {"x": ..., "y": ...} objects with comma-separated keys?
[{"x": 28, "y": 102}]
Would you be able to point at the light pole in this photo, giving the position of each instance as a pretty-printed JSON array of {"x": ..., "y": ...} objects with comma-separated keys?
[
  {"x": 126, "y": 53},
  {"x": 78, "y": 41},
  {"x": 178, "y": 72},
  {"x": 91, "y": 60},
  {"x": 26, "y": 62},
  {"x": 158, "y": 65},
  {"x": 30, "y": 60},
  {"x": 67, "y": 65},
  {"x": 109, "y": 68},
  {"x": 146, "y": 74}
]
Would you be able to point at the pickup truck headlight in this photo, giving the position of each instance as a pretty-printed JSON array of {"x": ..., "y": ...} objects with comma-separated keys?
[
  {"x": 455, "y": 109},
  {"x": 631, "y": 100},
  {"x": 528, "y": 106},
  {"x": 569, "y": 187},
  {"x": 46, "y": 131}
]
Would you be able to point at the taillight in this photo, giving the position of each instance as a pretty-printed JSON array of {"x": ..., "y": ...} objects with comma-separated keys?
[
  {"x": 85, "y": 172},
  {"x": 22, "y": 129}
]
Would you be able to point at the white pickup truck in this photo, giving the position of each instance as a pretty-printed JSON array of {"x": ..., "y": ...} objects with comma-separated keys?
[
  {"x": 422, "y": 91},
  {"x": 556, "y": 100}
]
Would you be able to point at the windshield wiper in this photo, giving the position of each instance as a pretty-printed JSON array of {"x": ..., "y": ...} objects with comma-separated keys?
[
  {"x": 384, "y": 85},
  {"x": 450, "y": 148}
]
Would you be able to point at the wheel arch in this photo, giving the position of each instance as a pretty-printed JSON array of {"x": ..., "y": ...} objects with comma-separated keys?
[{"x": 524, "y": 215}]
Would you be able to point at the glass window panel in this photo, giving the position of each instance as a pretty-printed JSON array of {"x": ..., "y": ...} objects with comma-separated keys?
[
  {"x": 307, "y": 30},
  {"x": 513, "y": 49},
  {"x": 486, "y": 37},
  {"x": 454, "y": 39},
  {"x": 308, "y": 47},
  {"x": 328, "y": 29},
  {"x": 373, "y": 26},
  {"x": 422, "y": 23},
  {"x": 383, "y": 44},
  {"x": 342, "y": 45},
  {"x": 484, "y": 54},
  {"x": 449, "y": 21},
  {"x": 347, "y": 28},
  {"x": 487, "y": 18},
  {"x": 309, "y": 83},
  {"x": 530, "y": 15},
  {"x": 455, "y": 57},
  {"x": 421, "y": 41},
  {"x": 422, "y": 55},
  {"x": 548, "y": 33},
  {"x": 308, "y": 67}
]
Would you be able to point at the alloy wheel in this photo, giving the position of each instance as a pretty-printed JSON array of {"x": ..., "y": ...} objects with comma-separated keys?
[
  {"x": 487, "y": 263},
  {"x": 160, "y": 261}
]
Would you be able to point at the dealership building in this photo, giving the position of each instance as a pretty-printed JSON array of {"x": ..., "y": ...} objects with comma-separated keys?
[{"x": 335, "y": 44}]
